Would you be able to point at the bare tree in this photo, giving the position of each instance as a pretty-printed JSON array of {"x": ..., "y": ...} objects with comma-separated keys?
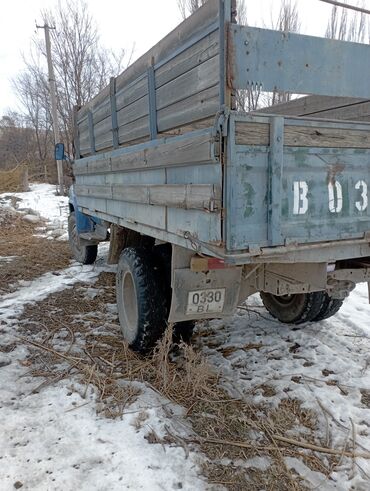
[
  {"x": 82, "y": 68},
  {"x": 33, "y": 92},
  {"x": 188, "y": 7},
  {"x": 287, "y": 21},
  {"x": 347, "y": 26},
  {"x": 18, "y": 144}
]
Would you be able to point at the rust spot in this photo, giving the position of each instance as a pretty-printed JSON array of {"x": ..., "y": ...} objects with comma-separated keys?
[
  {"x": 333, "y": 171},
  {"x": 231, "y": 56}
]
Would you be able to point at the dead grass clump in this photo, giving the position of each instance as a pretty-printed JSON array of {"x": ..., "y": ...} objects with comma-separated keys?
[
  {"x": 77, "y": 333},
  {"x": 14, "y": 180},
  {"x": 31, "y": 256}
]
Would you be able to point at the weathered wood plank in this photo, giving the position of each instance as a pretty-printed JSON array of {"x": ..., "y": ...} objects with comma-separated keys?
[
  {"x": 178, "y": 152},
  {"x": 252, "y": 133},
  {"x": 354, "y": 112},
  {"x": 302, "y": 136},
  {"x": 133, "y": 131},
  {"x": 130, "y": 94},
  {"x": 134, "y": 111},
  {"x": 309, "y": 105},
  {"x": 196, "y": 80},
  {"x": 197, "y": 107},
  {"x": 195, "y": 55},
  {"x": 188, "y": 197},
  {"x": 196, "y": 149}
]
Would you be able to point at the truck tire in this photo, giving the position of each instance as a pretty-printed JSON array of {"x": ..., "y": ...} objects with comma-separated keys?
[
  {"x": 141, "y": 299},
  {"x": 182, "y": 331},
  {"x": 329, "y": 308},
  {"x": 294, "y": 309},
  {"x": 84, "y": 254}
]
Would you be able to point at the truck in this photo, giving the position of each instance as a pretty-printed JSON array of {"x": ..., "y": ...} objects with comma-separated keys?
[{"x": 205, "y": 204}]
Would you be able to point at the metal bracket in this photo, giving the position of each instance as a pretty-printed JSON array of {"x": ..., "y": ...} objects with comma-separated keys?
[
  {"x": 152, "y": 104},
  {"x": 113, "y": 106},
  {"x": 90, "y": 120},
  {"x": 276, "y": 160},
  {"x": 222, "y": 121}
]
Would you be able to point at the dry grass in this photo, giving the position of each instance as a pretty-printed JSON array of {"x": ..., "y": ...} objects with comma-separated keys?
[
  {"x": 14, "y": 180},
  {"x": 34, "y": 256},
  {"x": 74, "y": 334}
]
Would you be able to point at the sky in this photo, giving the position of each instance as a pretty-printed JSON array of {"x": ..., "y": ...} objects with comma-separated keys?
[{"x": 121, "y": 23}]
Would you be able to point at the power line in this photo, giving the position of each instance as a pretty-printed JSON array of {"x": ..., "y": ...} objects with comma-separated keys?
[{"x": 346, "y": 6}]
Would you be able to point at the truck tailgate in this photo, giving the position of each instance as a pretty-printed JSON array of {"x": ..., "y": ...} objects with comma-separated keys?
[{"x": 295, "y": 181}]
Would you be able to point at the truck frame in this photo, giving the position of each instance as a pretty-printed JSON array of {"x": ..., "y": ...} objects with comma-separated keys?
[{"x": 205, "y": 205}]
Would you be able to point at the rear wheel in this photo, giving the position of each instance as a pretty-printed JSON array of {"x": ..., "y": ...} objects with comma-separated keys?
[
  {"x": 182, "y": 331},
  {"x": 294, "y": 309},
  {"x": 141, "y": 299},
  {"x": 85, "y": 254},
  {"x": 329, "y": 308}
]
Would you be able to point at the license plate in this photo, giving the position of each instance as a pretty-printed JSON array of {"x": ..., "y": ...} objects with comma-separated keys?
[{"x": 206, "y": 301}]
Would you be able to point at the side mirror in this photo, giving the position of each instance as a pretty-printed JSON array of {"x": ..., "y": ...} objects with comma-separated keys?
[{"x": 59, "y": 151}]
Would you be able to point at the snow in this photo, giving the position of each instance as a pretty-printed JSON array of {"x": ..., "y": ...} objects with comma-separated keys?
[
  {"x": 43, "y": 202},
  {"x": 12, "y": 304},
  {"x": 325, "y": 365},
  {"x": 55, "y": 440}
]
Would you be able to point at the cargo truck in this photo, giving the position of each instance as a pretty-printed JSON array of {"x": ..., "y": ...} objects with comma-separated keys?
[{"x": 205, "y": 204}]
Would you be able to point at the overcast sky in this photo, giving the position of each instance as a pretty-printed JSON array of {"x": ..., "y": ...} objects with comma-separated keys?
[{"x": 122, "y": 23}]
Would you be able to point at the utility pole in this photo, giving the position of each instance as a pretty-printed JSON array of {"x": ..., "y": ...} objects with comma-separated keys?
[{"x": 53, "y": 101}]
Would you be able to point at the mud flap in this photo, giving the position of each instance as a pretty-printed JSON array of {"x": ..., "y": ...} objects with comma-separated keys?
[{"x": 204, "y": 295}]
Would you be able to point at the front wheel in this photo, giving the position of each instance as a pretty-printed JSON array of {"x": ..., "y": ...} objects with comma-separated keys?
[
  {"x": 141, "y": 299},
  {"x": 84, "y": 254}
]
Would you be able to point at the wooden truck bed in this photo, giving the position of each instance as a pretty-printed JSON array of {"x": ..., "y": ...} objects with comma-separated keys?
[{"x": 163, "y": 151}]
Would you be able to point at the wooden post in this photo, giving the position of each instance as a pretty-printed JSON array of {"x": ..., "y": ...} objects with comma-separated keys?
[{"x": 117, "y": 243}]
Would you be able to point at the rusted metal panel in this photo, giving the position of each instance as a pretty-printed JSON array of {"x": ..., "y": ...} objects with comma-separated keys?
[{"x": 323, "y": 194}]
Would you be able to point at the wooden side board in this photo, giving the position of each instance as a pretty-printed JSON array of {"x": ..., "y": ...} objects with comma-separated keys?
[
  {"x": 341, "y": 108},
  {"x": 176, "y": 151},
  {"x": 189, "y": 196},
  {"x": 303, "y": 136},
  {"x": 173, "y": 86}
]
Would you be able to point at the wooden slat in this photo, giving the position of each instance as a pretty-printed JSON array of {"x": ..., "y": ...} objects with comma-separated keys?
[
  {"x": 196, "y": 80},
  {"x": 134, "y": 130},
  {"x": 134, "y": 111},
  {"x": 354, "y": 112},
  {"x": 195, "y": 55},
  {"x": 181, "y": 152},
  {"x": 132, "y": 93},
  {"x": 197, "y": 107},
  {"x": 200, "y": 197},
  {"x": 252, "y": 133},
  {"x": 305, "y": 106},
  {"x": 302, "y": 136}
]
